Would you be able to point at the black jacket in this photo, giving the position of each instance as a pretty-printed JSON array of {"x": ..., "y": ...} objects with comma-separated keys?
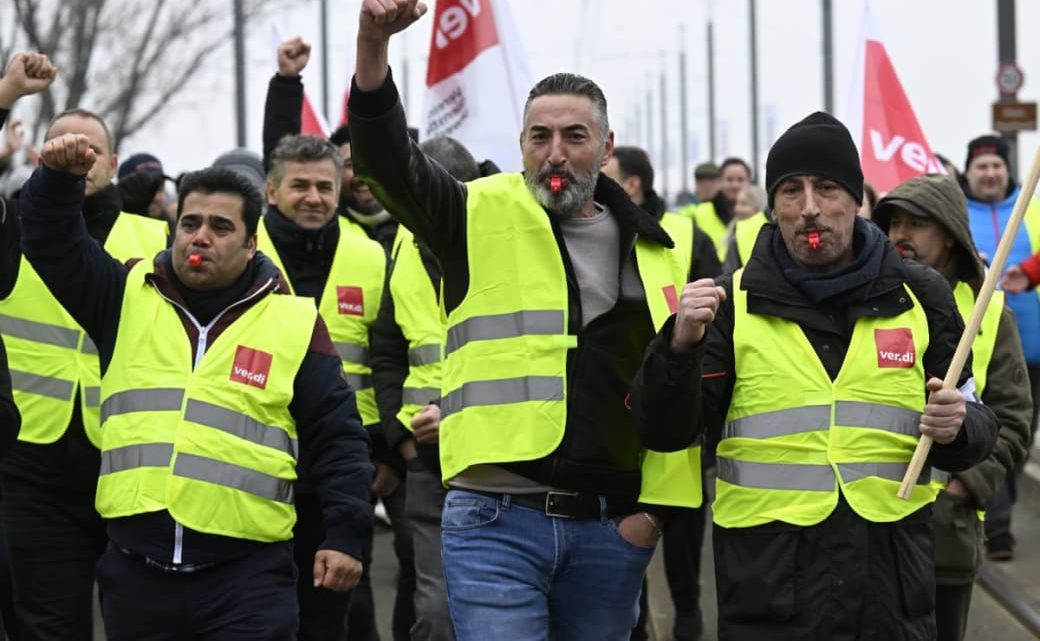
[
  {"x": 600, "y": 451},
  {"x": 90, "y": 284},
  {"x": 661, "y": 394},
  {"x": 10, "y": 419},
  {"x": 843, "y": 578}
]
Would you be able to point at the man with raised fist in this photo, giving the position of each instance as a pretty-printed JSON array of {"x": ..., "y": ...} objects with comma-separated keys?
[{"x": 214, "y": 384}]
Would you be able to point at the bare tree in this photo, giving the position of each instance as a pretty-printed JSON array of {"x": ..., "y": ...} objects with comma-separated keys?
[{"x": 124, "y": 59}]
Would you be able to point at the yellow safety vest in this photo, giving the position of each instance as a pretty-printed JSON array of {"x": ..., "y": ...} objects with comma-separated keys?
[
  {"x": 704, "y": 216},
  {"x": 981, "y": 349},
  {"x": 745, "y": 232},
  {"x": 210, "y": 439},
  {"x": 793, "y": 438},
  {"x": 505, "y": 367},
  {"x": 349, "y": 305},
  {"x": 671, "y": 478},
  {"x": 418, "y": 314},
  {"x": 49, "y": 354}
]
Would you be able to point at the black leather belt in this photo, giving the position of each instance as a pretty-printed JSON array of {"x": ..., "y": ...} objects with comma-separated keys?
[
  {"x": 568, "y": 505},
  {"x": 174, "y": 568}
]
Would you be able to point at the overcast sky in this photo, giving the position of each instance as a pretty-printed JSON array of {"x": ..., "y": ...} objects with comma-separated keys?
[{"x": 945, "y": 52}]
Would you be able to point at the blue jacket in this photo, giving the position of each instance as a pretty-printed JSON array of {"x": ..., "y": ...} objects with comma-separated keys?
[{"x": 988, "y": 221}]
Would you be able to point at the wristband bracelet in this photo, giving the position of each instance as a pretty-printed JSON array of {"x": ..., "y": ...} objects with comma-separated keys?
[{"x": 653, "y": 524}]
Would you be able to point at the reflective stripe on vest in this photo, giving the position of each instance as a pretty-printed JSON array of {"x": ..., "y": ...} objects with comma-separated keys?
[
  {"x": 50, "y": 351},
  {"x": 233, "y": 476},
  {"x": 210, "y": 441},
  {"x": 794, "y": 438},
  {"x": 132, "y": 457},
  {"x": 501, "y": 392},
  {"x": 499, "y": 326},
  {"x": 424, "y": 355},
  {"x": 349, "y": 303}
]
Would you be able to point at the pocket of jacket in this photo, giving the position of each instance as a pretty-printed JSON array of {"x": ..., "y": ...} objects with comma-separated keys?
[
  {"x": 757, "y": 574},
  {"x": 915, "y": 566},
  {"x": 467, "y": 511},
  {"x": 957, "y": 533}
]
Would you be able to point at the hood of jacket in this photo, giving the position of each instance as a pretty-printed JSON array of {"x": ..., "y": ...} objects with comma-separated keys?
[{"x": 940, "y": 198}]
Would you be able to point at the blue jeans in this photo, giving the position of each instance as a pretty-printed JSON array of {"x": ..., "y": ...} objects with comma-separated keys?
[{"x": 515, "y": 574}]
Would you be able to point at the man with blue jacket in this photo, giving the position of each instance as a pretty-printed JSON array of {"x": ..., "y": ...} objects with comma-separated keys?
[{"x": 991, "y": 194}]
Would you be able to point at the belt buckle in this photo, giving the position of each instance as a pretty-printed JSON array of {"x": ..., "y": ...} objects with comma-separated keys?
[{"x": 549, "y": 506}]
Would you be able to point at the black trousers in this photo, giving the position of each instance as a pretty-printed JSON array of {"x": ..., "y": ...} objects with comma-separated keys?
[
  {"x": 361, "y": 624},
  {"x": 682, "y": 566},
  {"x": 251, "y": 598},
  {"x": 54, "y": 539},
  {"x": 322, "y": 611},
  {"x": 952, "y": 603}
]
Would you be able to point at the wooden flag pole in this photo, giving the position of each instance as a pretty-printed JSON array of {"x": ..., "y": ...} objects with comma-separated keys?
[{"x": 996, "y": 269}]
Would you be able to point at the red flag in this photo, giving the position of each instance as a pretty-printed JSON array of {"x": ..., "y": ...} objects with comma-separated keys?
[
  {"x": 311, "y": 121},
  {"x": 892, "y": 145},
  {"x": 477, "y": 79}
]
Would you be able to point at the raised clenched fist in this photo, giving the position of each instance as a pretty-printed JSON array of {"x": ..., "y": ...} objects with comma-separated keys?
[
  {"x": 698, "y": 304},
  {"x": 69, "y": 153},
  {"x": 27, "y": 73},
  {"x": 293, "y": 55},
  {"x": 380, "y": 19}
]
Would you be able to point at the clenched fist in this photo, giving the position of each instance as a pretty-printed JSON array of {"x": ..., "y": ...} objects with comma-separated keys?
[
  {"x": 70, "y": 153},
  {"x": 293, "y": 55},
  {"x": 697, "y": 307},
  {"x": 381, "y": 19},
  {"x": 27, "y": 73}
]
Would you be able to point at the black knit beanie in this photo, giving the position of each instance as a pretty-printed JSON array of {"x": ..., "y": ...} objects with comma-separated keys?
[
  {"x": 819, "y": 145},
  {"x": 987, "y": 145}
]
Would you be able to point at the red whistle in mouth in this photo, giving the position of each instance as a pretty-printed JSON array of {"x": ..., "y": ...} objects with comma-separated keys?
[
  {"x": 556, "y": 183},
  {"x": 195, "y": 260},
  {"x": 814, "y": 240}
]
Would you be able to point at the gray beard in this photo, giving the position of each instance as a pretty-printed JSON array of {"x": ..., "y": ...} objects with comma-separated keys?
[{"x": 570, "y": 200}]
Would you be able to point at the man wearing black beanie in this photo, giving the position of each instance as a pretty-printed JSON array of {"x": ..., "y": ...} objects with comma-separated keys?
[{"x": 817, "y": 365}]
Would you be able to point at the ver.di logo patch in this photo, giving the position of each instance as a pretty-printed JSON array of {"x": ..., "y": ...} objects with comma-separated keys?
[
  {"x": 895, "y": 347},
  {"x": 351, "y": 300},
  {"x": 251, "y": 366}
]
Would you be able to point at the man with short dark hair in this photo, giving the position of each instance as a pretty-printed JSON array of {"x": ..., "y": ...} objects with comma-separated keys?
[
  {"x": 991, "y": 193},
  {"x": 214, "y": 390},
  {"x": 926, "y": 219},
  {"x": 817, "y": 363},
  {"x": 53, "y": 532},
  {"x": 713, "y": 216},
  {"x": 553, "y": 283},
  {"x": 282, "y": 117},
  {"x": 343, "y": 272},
  {"x": 630, "y": 167},
  {"x": 707, "y": 181}
]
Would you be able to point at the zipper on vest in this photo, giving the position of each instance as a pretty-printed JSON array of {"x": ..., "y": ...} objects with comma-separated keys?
[{"x": 200, "y": 351}]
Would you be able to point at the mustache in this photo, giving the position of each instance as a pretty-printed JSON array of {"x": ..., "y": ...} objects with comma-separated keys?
[
  {"x": 805, "y": 229},
  {"x": 562, "y": 172}
]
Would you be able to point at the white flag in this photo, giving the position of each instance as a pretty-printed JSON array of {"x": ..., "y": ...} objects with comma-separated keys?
[{"x": 477, "y": 80}]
